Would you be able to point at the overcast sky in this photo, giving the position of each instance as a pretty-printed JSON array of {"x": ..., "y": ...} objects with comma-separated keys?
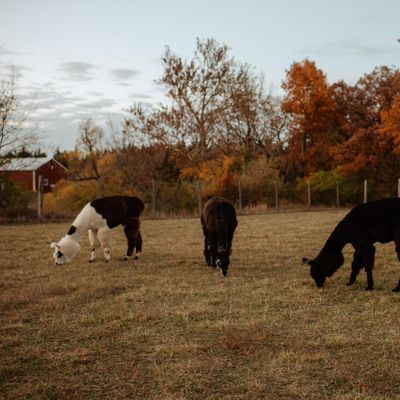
[{"x": 93, "y": 58}]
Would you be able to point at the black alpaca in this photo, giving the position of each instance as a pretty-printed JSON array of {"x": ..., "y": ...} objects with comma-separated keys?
[
  {"x": 364, "y": 225},
  {"x": 219, "y": 222}
]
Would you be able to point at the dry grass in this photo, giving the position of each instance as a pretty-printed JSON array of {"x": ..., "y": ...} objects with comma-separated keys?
[{"x": 166, "y": 327}]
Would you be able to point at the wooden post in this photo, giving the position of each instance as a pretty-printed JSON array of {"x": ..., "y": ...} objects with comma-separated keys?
[
  {"x": 199, "y": 196},
  {"x": 365, "y": 190},
  {"x": 309, "y": 192},
  {"x": 240, "y": 195},
  {"x": 398, "y": 187},
  {"x": 40, "y": 197},
  {"x": 276, "y": 197},
  {"x": 153, "y": 199},
  {"x": 337, "y": 195}
]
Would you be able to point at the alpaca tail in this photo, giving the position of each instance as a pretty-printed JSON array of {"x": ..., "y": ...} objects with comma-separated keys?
[{"x": 306, "y": 260}]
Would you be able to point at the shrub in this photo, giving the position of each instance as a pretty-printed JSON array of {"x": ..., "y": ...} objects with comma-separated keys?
[
  {"x": 15, "y": 195},
  {"x": 323, "y": 187},
  {"x": 69, "y": 196}
]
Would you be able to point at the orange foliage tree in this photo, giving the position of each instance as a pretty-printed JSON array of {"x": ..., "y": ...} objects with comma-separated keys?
[
  {"x": 312, "y": 109},
  {"x": 368, "y": 124},
  {"x": 391, "y": 125}
]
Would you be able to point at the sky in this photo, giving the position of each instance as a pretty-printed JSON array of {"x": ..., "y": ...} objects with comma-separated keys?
[{"x": 79, "y": 59}]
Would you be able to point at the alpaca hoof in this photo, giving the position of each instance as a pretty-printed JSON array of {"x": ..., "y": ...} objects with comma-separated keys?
[
  {"x": 396, "y": 290},
  {"x": 125, "y": 258},
  {"x": 136, "y": 258},
  {"x": 91, "y": 261},
  {"x": 368, "y": 289}
]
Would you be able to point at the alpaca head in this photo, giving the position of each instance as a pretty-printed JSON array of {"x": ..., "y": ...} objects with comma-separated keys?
[
  {"x": 223, "y": 260},
  {"x": 324, "y": 265},
  {"x": 65, "y": 250}
]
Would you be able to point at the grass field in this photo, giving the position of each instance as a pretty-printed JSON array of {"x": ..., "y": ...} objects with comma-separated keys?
[{"x": 167, "y": 327}]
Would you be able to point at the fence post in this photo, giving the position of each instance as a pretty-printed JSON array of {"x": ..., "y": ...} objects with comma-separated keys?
[
  {"x": 153, "y": 199},
  {"x": 309, "y": 192},
  {"x": 240, "y": 195},
  {"x": 199, "y": 196},
  {"x": 337, "y": 195},
  {"x": 365, "y": 190},
  {"x": 398, "y": 187},
  {"x": 276, "y": 197},
  {"x": 40, "y": 197}
]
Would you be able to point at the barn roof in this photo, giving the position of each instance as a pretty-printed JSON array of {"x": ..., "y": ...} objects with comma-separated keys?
[{"x": 27, "y": 164}]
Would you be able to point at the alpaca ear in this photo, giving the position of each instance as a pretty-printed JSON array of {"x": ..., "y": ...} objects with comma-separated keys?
[
  {"x": 54, "y": 245},
  {"x": 307, "y": 261}
]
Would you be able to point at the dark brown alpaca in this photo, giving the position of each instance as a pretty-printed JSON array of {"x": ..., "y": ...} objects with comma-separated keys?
[
  {"x": 219, "y": 222},
  {"x": 364, "y": 225}
]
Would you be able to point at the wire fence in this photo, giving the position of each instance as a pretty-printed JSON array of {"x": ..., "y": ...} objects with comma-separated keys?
[
  {"x": 186, "y": 199},
  {"x": 166, "y": 199}
]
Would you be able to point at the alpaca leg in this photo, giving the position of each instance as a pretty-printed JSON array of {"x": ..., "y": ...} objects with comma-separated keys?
[
  {"x": 397, "y": 243},
  {"x": 207, "y": 251},
  {"x": 93, "y": 243},
  {"x": 355, "y": 267},
  {"x": 139, "y": 243},
  {"x": 131, "y": 233},
  {"x": 104, "y": 237},
  {"x": 368, "y": 258},
  {"x": 213, "y": 247}
]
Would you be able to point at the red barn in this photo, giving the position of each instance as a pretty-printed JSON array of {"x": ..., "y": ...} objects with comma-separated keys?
[{"x": 28, "y": 170}]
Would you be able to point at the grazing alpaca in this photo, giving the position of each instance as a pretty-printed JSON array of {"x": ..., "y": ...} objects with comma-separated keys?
[
  {"x": 219, "y": 222},
  {"x": 97, "y": 218},
  {"x": 377, "y": 221}
]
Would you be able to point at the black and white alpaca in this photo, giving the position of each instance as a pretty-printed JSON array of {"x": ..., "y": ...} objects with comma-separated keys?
[
  {"x": 218, "y": 220},
  {"x": 377, "y": 221},
  {"x": 97, "y": 218}
]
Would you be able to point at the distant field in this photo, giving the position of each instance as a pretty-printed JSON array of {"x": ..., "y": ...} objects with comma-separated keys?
[{"x": 167, "y": 327}]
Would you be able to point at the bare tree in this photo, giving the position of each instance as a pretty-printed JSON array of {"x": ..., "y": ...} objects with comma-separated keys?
[
  {"x": 89, "y": 148},
  {"x": 13, "y": 135},
  {"x": 199, "y": 93}
]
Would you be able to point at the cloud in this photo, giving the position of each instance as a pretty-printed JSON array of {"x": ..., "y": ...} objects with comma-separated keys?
[
  {"x": 5, "y": 52},
  {"x": 140, "y": 96},
  {"x": 96, "y": 104},
  {"x": 77, "y": 71},
  {"x": 348, "y": 48},
  {"x": 45, "y": 101},
  {"x": 124, "y": 74},
  {"x": 13, "y": 71}
]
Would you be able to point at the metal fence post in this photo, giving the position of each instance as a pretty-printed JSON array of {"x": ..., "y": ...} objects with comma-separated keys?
[
  {"x": 276, "y": 197},
  {"x": 337, "y": 195},
  {"x": 199, "y": 196},
  {"x": 40, "y": 197},
  {"x": 365, "y": 190},
  {"x": 309, "y": 192},
  {"x": 153, "y": 199},
  {"x": 240, "y": 195},
  {"x": 398, "y": 187}
]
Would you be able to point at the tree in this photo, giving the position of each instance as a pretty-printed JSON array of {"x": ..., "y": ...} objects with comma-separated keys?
[
  {"x": 83, "y": 162},
  {"x": 309, "y": 103},
  {"x": 368, "y": 125},
  {"x": 201, "y": 92},
  {"x": 14, "y": 137},
  {"x": 391, "y": 125}
]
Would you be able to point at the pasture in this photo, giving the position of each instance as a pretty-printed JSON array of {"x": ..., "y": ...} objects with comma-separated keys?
[{"x": 167, "y": 327}]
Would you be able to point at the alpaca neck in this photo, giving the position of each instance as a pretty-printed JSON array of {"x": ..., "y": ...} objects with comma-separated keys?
[
  {"x": 81, "y": 224},
  {"x": 336, "y": 240}
]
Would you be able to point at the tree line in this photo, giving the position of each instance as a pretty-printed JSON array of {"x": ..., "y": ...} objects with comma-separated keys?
[{"x": 220, "y": 126}]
